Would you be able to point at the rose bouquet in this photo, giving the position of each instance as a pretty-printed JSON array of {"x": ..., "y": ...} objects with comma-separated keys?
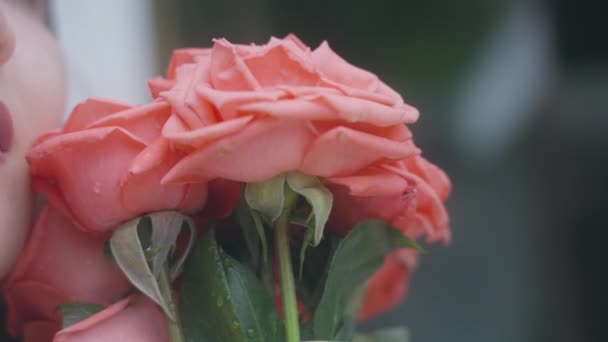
[{"x": 267, "y": 193}]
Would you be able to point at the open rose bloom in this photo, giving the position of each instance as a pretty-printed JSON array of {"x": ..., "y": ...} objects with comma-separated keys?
[{"x": 223, "y": 118}]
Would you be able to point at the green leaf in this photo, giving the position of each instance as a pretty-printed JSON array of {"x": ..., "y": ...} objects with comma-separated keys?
[
  {"x": 141, "y": 248},
  {"x": 250, "y": 232},
  {"x": 221, "y": 300},
  {"x": 319, "y": 198},
  {"x": 131, "y": 258},
  {"x": 166, "y": 227},
  {"x": 74, "y": 312},
  {"x": 267, "y": 197},
  {"x": 358, "y": 256},
  {"x": 396, "y": 334},
  {"x": 349, "y": 318}
]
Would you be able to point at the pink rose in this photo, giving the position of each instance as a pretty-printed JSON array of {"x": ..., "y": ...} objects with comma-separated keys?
[
  {"x": 247, "y": 113},
  {"x": 389, "y": 284},
  {"x": 409, "y": 195},
  {"x": 59, "y": 264},
  {"x": 105, "y": 165},
  {"x": 132, "y": 319}
]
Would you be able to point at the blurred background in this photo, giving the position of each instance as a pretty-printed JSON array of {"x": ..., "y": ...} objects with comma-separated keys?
[{"x": 514, "y": 102}]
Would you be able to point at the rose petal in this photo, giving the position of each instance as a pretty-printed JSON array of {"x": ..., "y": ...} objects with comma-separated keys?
[
  {"x": 228, "y": 70},
  {"x": 262, "y": 150},
  {"x": 227, "y": 103},
  {"x": 102, "y": 157},
  {"x": 145, "y": 121},
  {"x": 282, "y": 64},
  {"x": 297, "y": 109},
  {"x": 151, "y": 157},
  {"x": 158, "y": 85},
  {"x": 90, "y": 111},
  {"x": 359, "y": 110},
  {"x": 342, "y": 151},
  {"x": 183, "y": 99},
  {"x": 432, "y": 175},
  {"x": 206, "y": 134},
  {"x": 388, "y": 285},
  {"x": 362, "y": 94},
  {"x": 142, "y": 192},
  {"x": 58, "y": 264},
  {"x": 373, "y": 182},
  {"x": 134, "y": 319},
  {"x": 397, "y": 133},
  {"x": 184, "y": 56},
  {"x": 348, "y": 210},
  {"x": 336, "y": 69}
]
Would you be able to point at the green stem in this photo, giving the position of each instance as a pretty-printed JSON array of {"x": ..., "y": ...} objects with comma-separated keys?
[
  {"x": 288, "y": 291},
  {"x": 173, "y": 325},
  {"x": 266, "y": 268}
]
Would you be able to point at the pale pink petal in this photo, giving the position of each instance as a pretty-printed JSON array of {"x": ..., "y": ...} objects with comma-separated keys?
[
  {"x": 101, "y": 158},
  {"x": 152, "y": 156},
  {"x": 262, "y": 150},
  {"x": 158, "y": 85},
  {"x": 228, "y": 70},
  {"x": 90, "y": 111},
  {"x": 184, "y": 56},
  {"x": 358, "y": 110},
  {"x": 373, "y": 182},
  {"x": 340, "y": 72},
  {"x": 206, "y": 134},
  {"x": 183, "y": 99},
  {"x": 431, "y": 213},
  {"x": 298, "y": 109},
  {"x": 342, "y": 151},
  {"x": 297, "y": 42},
  {"x": 143, "y": 121},
  {"x": 227, "y": 103},
  {"x": 174, "y": 126},
  {"x": 142, "y": 192},
  {"x": 282, "y": 65},
  {"x": 337, "y": 69},
  {"x": 308, "y": 92},
  {"x": 431, "y": 174},
  {"x": 131, "y": 320},
  {"x": 397, "y": 133},
  {"x": 362, "y": 93}
]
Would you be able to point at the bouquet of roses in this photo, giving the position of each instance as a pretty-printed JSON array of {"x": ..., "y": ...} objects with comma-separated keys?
[{"x": 267, "y": 193}]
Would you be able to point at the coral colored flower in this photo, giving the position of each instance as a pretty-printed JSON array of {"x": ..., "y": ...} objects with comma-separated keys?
[
  {"x": 105, "y": 165},
  {"x": 409, "y": 195},
  {"x": 132, "y": 319},
  {"x": 59, "y": 264},
  {"x": 247, "y": 113},
  {"x": 389, "y": 284}
]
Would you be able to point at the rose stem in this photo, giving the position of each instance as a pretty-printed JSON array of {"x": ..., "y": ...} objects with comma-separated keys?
[
  {"x": 288, "y": 292},
  {"x": 174, "y": 326}
]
